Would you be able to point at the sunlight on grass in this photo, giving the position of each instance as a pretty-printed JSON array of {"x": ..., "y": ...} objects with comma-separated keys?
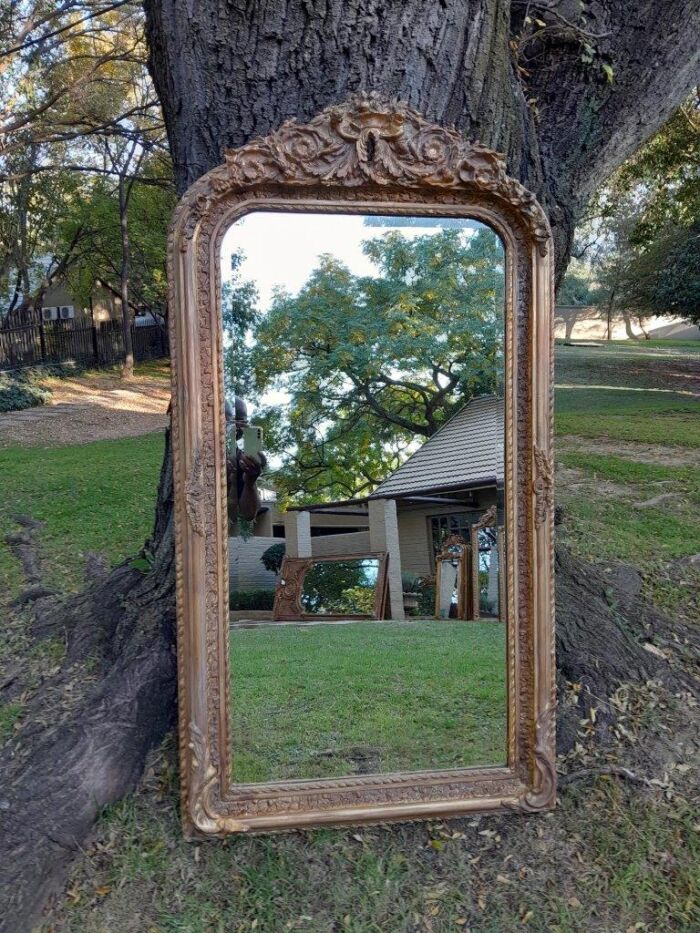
[
  {"x": 95, "y": 497},
  {"x": 643, "y": 417}
]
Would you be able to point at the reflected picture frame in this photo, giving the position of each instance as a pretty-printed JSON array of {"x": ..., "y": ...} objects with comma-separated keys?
[
  {"x": 366, "y": 156},
  {"x": 288, "y": 592},
  {"x": 454, "y": 547}
]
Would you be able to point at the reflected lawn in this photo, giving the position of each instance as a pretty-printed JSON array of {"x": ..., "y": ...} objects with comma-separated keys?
[{"x": 366, "y": 697}]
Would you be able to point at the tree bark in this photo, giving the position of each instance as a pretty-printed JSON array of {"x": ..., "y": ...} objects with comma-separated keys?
[{"x": 227, "y": 72}]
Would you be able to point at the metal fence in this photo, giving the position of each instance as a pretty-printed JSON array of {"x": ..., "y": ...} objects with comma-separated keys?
[{"x": 73, "y": 341}]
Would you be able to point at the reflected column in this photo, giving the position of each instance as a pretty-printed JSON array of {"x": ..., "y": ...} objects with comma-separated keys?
[{"x": 384, "y": 537}]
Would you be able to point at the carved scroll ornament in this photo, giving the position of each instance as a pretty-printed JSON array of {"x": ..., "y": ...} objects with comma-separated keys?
[
  {"x": 543, "y": 485},
  {"x": 369, "y": 141}
]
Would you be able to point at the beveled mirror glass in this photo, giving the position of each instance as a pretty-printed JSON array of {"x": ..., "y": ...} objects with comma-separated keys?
[{"x": 363, "y": 479}]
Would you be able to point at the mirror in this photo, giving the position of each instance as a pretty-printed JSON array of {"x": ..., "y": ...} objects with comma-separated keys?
[
  {"x": 451, "y": 594},
  {"x": 345, "y": 588},
  {"x": 360, "y": 330},
  {"x": 363, "y": 375},
  {"x": 331, "y": 588}
]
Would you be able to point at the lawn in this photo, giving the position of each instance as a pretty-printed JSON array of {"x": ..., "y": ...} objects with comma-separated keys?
[
  {"x": 328, "y": 700},
  {"x": 615, "y": 855},
  {"x": 618, "y": 522},
  {"x": 95, "y": 497},
  {"x": 638, "y": 394},
  {"x": 628, "y": 414}
]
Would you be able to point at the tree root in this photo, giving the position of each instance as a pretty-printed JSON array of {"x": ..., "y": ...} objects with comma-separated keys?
[{"x": 564, "y": 780}]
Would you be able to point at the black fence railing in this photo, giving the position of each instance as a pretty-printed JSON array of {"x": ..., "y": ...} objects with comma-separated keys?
[{"x": 74, "y": 341}]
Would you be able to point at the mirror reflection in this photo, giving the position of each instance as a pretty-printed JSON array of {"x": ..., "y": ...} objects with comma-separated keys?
[
  {"x": 341, "y": 587},
  {"x": 363, "y": 361}
]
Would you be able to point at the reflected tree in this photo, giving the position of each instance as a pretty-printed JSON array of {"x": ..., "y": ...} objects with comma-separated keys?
[{"x": 371, "y": 363}]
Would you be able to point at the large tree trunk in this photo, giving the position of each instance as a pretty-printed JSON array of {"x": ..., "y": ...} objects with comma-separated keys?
[{"x": 226, "y": 72}]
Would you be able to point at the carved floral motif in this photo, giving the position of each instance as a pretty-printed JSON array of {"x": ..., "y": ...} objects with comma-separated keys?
[
  {"x": 543, "y": 485},
  {"x": 204, "y": 784},
  {"x": 369, "y": 141},
  {"x": 542, "y": 794},
  {"x": 194, "y": 494}
]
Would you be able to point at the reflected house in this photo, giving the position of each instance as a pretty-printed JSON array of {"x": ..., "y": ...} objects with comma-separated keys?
[{"x": 445, "y": 488}]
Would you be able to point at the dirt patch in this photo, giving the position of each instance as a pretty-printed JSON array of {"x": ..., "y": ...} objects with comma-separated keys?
[
  {"x": 570, "y": 481},
  {"x": 654, "y": 454},
  {"x": 88, "y": 408}
]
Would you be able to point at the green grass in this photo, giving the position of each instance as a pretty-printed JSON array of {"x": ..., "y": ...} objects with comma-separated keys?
[
  {"x": 608, "y": 859},
  {"x": 9, "y": 714},
  {"x": 613, "y": 856},
  {"x": 328, "y": 700},
  {"x": 628, "y": 415},
  {"x": 95, "y": 497},
  {"x": 629, "y": 393},
  {"x": 615, "y": 527}
]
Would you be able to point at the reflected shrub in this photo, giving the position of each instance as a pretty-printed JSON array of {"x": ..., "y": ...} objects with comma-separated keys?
[{"x": 252, "y": 599}]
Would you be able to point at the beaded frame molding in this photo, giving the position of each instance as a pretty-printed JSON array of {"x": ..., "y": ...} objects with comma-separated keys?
[{"x": 365, "y": 156}]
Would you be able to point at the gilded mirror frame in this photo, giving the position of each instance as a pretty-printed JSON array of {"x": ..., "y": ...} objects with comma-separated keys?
[
  {"x": 288, "y": 592},
  {"x": 463, "y": 590},
  {"x": 364, "y": 156},
  {"x": 487, "y": 520}
]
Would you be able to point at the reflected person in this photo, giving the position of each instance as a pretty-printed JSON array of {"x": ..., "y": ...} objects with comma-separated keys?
[{"x": 242, "y": 470}]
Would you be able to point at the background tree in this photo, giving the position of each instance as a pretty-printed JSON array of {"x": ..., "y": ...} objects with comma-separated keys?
[
  {"x": 368, "y": 364},
  {"x": 39, "y": 243},
  {"x": 240, "y": 319},
  {"x": 566, "y": 103},
  {"x": 78, "y": 100},
  {"x": 638, "y": 246},
  {"x": 97, "y": 214}
]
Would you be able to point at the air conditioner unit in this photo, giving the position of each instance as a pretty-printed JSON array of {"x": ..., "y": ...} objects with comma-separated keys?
[
  {"x": 49, "y": 314},
  {"x": 67, "y": 312}
]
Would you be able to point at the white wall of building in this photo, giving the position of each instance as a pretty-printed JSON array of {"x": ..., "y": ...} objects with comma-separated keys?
[{"x": 246, "y": 570}]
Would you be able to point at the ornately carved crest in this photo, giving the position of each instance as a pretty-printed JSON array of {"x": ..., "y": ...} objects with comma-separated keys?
[{"x": 368, "y": 140}]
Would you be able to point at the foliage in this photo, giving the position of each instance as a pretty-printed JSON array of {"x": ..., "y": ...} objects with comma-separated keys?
[
  {"x": 272, "y": 558},
  {"x": 426, "y": 599},
  {"x": 332, "y": 587},
  {"x": 252, "y": 599},
  {"x": 410, "y": 582},
  {"x": 21, "y": 390},
  {"x": 579, "y": 287},
  {"x": 240, "y": 318},
  {"x": 97, "y": 214},
  {"x": 641, "y": 242},
  {"x": 667, "y": 168},
  {"x": 663, "y": 274},
  {"x": 369, "y": 364},
  {"x": 80, "y": 126}
]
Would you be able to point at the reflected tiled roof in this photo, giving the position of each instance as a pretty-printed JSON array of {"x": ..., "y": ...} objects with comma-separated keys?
[{"x": 466, "y": 451}]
